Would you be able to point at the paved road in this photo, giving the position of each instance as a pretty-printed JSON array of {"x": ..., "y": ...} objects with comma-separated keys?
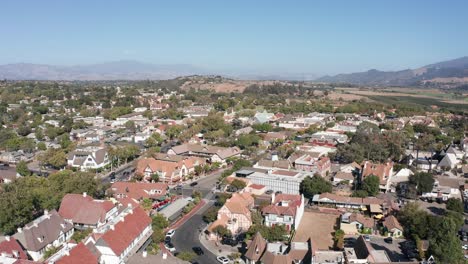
[
  {"x": 119, "y": 173},
  {"x": 187, "y": 236}
]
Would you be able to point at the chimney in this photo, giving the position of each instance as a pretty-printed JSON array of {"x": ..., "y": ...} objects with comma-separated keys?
[
  {"x": 20, "y": 230},
  {"x": 7, "y": 238},
  {"x": 15, "y": 253},
  {"x": 112, "y": 227},
  {"x": 46, "y": 212},
  {"x": 85, "y": 194},
  {"x": 130, "y": 211}
]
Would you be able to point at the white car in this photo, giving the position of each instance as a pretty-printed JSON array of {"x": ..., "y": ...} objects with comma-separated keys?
[
  {"x": 170, "y": 233},
  {"x": 465, "y": 247},
  {"x": 222, "y": 259},
  {"x": 169, "y": 246}
]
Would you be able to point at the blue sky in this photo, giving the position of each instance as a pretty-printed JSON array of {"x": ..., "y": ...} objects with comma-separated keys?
[{"x": 322, "y": 37}]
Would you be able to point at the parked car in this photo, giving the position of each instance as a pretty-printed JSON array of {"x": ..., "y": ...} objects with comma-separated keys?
[
  {"x": 388, "y": 239},
  {"x": 222, "y": 259},
  {"x": 193, "y": 184},
  {"x": 367, "y": 237},
  {"x": 170, "y": 233},
  {"x": 169, "y": 246},
  {"x": 198, "y": 251},
  {"x": 465, "y": 247},
  {"x": 229, "y": 241}
]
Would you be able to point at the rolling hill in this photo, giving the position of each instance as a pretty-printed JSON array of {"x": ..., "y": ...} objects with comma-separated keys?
[{"x": 446, "y": 72}]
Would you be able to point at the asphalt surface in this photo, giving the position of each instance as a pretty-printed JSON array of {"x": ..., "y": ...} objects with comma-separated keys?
[
  {"x": 119, "y": 173},
  {"x": 187, "y": 236}
]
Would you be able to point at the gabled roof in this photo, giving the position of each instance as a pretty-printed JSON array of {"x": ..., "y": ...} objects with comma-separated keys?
[
  {"x": 256, "y": 247},
  {"x": 42, "y": 231},
  {"x": 126, "y": 231},
  {"x": 139, "y": 190},
  {"x": 294, "y": 201},
  {"x": 382, "y": 171},
  {"x": 79, "y": 255},
  {"x": 12, "y": 248},
  {"x": 211, "y": 150},
  {"x": 83, "y": 209},
  {"x": 240, "y": 203},
  {"x": 391, "y": 222}
]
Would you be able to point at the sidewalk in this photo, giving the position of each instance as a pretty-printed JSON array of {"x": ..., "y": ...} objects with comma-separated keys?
[{"x": 216, "y": 247}]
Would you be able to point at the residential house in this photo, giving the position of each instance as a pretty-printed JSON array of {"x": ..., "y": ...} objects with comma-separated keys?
[
  {"x": 383, "y": 171},
  {"x": 260, "y": 251},
  {"x": 211, "y": 153},
  {"x": 341, "y": 176},
  {"x": 45, "y": 232},
  {"x": 85, "y": 212},
  {"x": 354, "y": 223},
  {"x": 124, "y": 237},
  {"x": 7, "y": 174},
  {"x": 311, "y": 162},
  {"x": 285, "y": 209},
  {"x": 235, "y": 214},
  {"x": 88, "y": 157},
  {"x": 444, "y": 188},
  {"x": 263, "y": 117},
  {"x": 13, "y": 157},
  {"x": 326, "y": 138},
  {"x": 170, "y": 170},
  {"x": 392, "y": 226},
  {"x": 138, "y": 191},
  {"x": 11, "y": 251}
]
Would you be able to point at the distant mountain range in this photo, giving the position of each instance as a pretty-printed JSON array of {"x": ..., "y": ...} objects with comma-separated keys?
[
  {"x": 118, "y": 70},
  {"x": 452, "y": 71}
]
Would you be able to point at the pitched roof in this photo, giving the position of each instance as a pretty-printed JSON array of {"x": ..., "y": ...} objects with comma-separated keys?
[
  {"x": 42, "y": 231},
  {"x": 294, "y": 201},
  {"x": 12, "y": 248},
  {"x": 256, "y": 247},
  {"x": 220, "y": 151},
  {"x": 78, "y": 255},
  {"x": 350, "y": 200},
  {"x": 365, "y": 221},
  {"x": 380, "y": 170},
  {"x": 139, "y": 190},
  {"x": 240, "y": 203},
  {"x": 170, "y": 166},
  {"x": 124, "y": 232},
  {"x": 391, "y": 222},
  {"x": 84, "y": 209},
  {"x": 272, "y": 258},
  {"x": 344, "y": 176}
]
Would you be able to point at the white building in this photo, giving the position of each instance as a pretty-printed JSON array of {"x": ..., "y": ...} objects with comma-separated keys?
[
  {"x": 45, "y": 232},
  {"x": 89, "y": 157},
  {"x": 285, "y": 181},
  {"x": 286, "y": 209}
]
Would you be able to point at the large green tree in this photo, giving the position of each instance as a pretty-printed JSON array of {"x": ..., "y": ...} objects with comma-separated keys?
[
  {"x": 370, "y": 184},
  {"x": 311, "y": 186},
  {"x": 423, "y": 181}
]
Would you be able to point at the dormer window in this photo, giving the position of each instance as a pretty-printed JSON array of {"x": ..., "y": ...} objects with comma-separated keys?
[{"x": 40, "y": 239}]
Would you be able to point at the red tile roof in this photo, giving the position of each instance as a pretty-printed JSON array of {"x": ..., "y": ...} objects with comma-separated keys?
[
  {"x": 126, "y": 231},
  {"x": 84, "y": 209},
  {"x": 139, "y": 190},
  {"x": 10, "y": 245},
  {"x": 78, "y": 255}
]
